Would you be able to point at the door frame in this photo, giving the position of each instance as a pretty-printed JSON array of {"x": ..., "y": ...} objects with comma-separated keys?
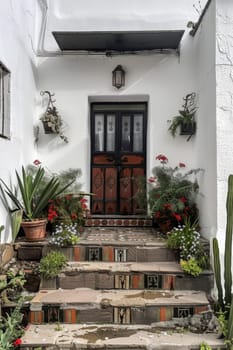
[{"x": 122, "y": 108}]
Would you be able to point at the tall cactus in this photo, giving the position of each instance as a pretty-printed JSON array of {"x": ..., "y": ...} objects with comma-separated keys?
[
  {"x": 217, "y": 272},
  {"x": 228, "y": 242},
  {"x": 227, "y": 253}
]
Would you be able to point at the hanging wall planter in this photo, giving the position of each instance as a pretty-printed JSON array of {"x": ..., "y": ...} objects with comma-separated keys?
[
  {"x": 188, "y": 128},
  {"x": 185, "y": 121},
  {"x": 52, "y": 121}
]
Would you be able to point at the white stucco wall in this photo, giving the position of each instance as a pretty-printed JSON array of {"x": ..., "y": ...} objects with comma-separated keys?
[
  {"x": 16, "y": 32},
  {"x": 164, "y": 79},
  {"x": 203, "y": 48},
  {"x": 224, "y": 76}
]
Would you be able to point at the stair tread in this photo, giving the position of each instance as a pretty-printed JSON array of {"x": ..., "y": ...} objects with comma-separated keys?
[
  {"x": 115, "y": 337},
  {"x": 123, "y": 298},
  {"x": 126, "y": 267}
]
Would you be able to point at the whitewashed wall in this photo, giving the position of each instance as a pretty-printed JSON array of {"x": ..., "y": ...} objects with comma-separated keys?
[
  {"x": 164, "y": 80},
  {"x": 16, "y": 32},
  {"x": 224, "y": 105}
]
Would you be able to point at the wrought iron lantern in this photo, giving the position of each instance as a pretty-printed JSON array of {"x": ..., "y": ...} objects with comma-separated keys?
[{"x": 118, "y": 77}]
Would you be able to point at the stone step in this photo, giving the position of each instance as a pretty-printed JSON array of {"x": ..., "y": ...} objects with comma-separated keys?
[
  {"x": 85, "y": 305},
  {"x": 154, "y": 275},
  {"x": 114, "y": 337}
]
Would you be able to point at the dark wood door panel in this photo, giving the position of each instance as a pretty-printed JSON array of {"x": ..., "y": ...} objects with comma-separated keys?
[{"x": 118, "y": 157}]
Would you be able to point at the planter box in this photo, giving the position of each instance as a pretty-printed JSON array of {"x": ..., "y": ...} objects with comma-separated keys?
[{"x": 188, "y": 128}]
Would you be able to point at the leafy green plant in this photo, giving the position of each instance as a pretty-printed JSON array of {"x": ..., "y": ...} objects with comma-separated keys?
[
  {"x": 30, "y": 201},
  {"x": 68, "y": 208},
  {"x": 172, "y": 195},
  {"x": 11, "y": 328},
  {"x": 191, "y": 267},
  {"x": 65, "y": 235},
  {"x": 52, "y": 264},
  {"x": 185, "y": 116},
  {"x": 205, "y": 346}
]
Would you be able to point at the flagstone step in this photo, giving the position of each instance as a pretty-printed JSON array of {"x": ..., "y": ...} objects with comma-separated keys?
[
  {"x": 119, "y": 221},
  {"x": 85, "y": 305},
  {"x": 154, "y": 275},
  {"x": 114, "y": 337}
]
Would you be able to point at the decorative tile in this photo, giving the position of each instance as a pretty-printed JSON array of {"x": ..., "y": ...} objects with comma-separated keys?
[
  {"x": 137, "y": 281},
  {"x": 121, "y": 254},
  {"x": 181, "y": 312},
  {"x": 121, "y": 315},
  {"x": 108, "y": 254},
  {"x": 153, "y": 281},
  {"x": 94, "y": 254},
  {"x": 122, "y": 281}
]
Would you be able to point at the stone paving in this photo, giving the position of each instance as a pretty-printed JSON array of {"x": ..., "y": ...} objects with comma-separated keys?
[
  {"x": 64, "y": 336},
  {"x": 126, "y": 236}
]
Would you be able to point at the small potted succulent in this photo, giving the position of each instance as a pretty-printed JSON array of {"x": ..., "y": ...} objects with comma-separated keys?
[{"x": 185, "y": 120}]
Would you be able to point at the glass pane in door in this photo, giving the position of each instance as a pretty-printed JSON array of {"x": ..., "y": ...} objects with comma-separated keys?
[
  {"x": 99, "y": 133},
  {"x": 126, "y": 135},
  {"x": 138, "y": 133},
  {"x": 111, "y": 132}
]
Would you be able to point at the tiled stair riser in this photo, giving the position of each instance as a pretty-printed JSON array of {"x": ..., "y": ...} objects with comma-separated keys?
[
  {"x": 117, "y": 315},
  {"x": 101, "y": 280},
  {"x": 109, "y": 253}
]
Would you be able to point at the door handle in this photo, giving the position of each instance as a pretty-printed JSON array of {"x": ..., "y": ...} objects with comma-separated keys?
[{"x": 110, "y": 159}]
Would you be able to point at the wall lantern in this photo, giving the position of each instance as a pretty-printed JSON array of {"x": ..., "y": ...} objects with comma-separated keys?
[{"x": 118, "y": 77}]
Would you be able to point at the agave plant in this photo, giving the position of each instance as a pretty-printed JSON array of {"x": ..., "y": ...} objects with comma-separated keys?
[{"x": 29, "y": 200}]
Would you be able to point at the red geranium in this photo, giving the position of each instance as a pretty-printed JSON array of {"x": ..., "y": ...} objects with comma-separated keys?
[
  {"x": 37, "y": 162},
  {"x": 177, "y": 216},
  {"x": 182, "y": 165},
  {"x": 162, "y": 158},
  {"x": 17, "y": 342}
]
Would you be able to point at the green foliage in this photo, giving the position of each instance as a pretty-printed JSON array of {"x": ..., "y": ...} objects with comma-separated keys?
[
  {"x": 16, "y": 219},
  {"x": 11, "y": 329},
  {"x": 172, "y": 195},
  {"x": 217, "y": 273},
  {"x": 52, "y": 264},
  {"x": 191, "y": 267},
  {"x": 70, "y": 176},
  {"x": 186, "y": 115},
  {"x": 65, "y": 235},
  {"x": 69, "y": 208},
  {"x": 205, "y": 346},
  {"x": 31, "y": 201}
]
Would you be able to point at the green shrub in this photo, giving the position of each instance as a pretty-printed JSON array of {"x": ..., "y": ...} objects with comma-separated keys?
[{"x": 52, "y": 264}]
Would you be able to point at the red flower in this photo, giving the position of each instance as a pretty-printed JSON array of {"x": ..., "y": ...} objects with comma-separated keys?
[
  {"x": 167, "y": 206},
  {"x": 83, "y": 202},
  {"x": 152, "y": 179},
  {"x": 73, "y": 216},
  {"x": 162, "y": 158},
  {"x": 36, "y": 162},
  {"x": 177, "y": 216},
  {"x": 182, "y": 165},
  {"x": 52, "y": 213},
  {"x": 157, "y": 214},
  {"x": 183, "y": 199},
  {"x": 17, "y": 342}
]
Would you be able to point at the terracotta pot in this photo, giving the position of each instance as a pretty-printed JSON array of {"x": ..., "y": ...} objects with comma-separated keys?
[{"x": 34, "y": 230}]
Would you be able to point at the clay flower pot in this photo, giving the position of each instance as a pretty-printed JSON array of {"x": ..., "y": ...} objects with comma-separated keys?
[{"x": 34, "y": 230}]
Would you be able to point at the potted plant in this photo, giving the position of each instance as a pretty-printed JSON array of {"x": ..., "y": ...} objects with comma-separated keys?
[
  {"x": 51, "y": 119},
  {"x": 185, "y": 120},
  {"x": 33, "y": 202},
  {"x": 172, "y": 194}
]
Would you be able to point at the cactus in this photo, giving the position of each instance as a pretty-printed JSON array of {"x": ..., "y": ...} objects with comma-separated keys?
[
  {"x": 228, "y": 242},
  {"x": 227, "y": 254},
  {"x": 230, "y": 326},
  {"x": 217, "y": 272}
]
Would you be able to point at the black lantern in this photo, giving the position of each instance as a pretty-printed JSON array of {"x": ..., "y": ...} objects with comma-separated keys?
[{"x": 118, "y": 77}]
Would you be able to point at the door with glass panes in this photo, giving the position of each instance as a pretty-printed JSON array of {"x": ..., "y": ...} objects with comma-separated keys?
[{"x": 118, "y": 157}]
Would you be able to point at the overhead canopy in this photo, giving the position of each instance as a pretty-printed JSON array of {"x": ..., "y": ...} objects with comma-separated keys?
[{"x": 125, "y": 41}]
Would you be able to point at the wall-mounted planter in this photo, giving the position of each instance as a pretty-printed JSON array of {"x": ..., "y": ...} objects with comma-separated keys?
[
  {"x": 188, "y": 128},
  {"x": 47, "y": 128}
]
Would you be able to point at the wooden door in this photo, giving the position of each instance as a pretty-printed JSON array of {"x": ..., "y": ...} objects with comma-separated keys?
[{"x": 118, "y": 157}]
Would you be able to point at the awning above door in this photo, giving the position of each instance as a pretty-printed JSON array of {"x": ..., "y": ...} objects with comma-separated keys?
[{"x": 115, "y": 41}]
